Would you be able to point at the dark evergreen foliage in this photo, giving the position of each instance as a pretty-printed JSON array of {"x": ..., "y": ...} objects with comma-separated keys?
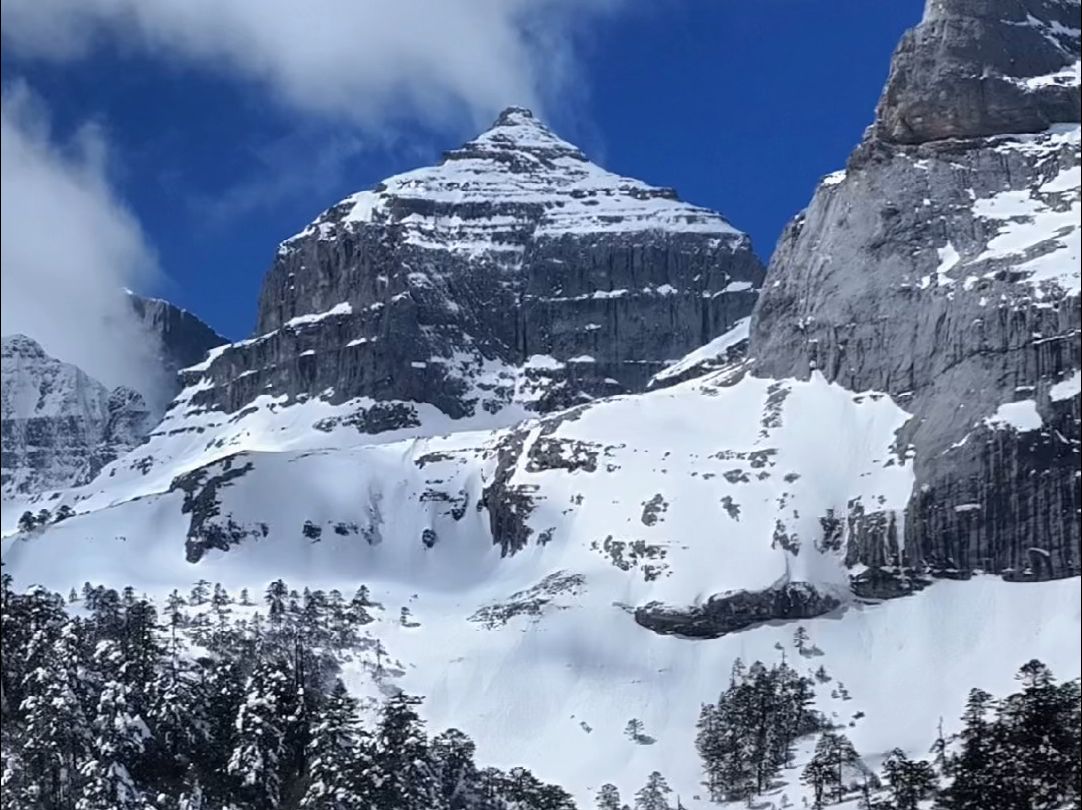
[
  {"x": 116, "y": 708},
  {"x": 747, "y": 737}
]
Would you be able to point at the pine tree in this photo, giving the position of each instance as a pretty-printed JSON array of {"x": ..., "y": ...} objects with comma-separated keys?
[
  {"x": 255, "y": 759},
  {"x": 761, "y": 704},
  {"x": 523, "y": 791},
  {"x": 970, "y": 766},
  {"x": 276, "y": 598},
  {"x": 56, "y": 731},
  {"x": 27, "y": 522},
  {"x": 910, "y": 781},
  {"x": 1026, "y": 753},
  {"x": 221, "y": 692},
  {"x": 825, "y": 772},
  {"x": 120, "y": 737},
  {"x": 200, "y": 593},
  {"x": 401, "y": 759},
  {"x": 452, "y": 759},
  {"x": 652, "y": 795},
  {"x": 608, "y": 798},
  {"x": 358, "y": 612},
  {"x": 340, "y": 768}
]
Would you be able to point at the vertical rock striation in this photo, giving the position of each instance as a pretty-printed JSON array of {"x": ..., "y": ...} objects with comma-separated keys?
[
  {"x": 942, "y": 267},
  {"x": 514, "y": 271}
]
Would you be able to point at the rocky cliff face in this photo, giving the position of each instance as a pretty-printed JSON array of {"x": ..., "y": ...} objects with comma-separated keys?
[
  {"x": 60, "y": 426},
  {"x": 183, "y": 339},
  {"x": 983, "y": 67},
  {"x": 515, "y": 271},
  {"x": 942, "y": 267}
]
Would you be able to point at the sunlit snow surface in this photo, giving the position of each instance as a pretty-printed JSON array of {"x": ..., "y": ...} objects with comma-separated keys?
[{"x": 554, "y": 690}]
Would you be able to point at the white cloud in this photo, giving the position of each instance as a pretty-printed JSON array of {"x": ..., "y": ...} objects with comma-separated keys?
[
  {"x": 67, "y": 248},
  {"x": 367, "y": 61}
]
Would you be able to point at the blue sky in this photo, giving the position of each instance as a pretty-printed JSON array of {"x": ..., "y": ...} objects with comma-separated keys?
[{"x": 215, "y": 155}]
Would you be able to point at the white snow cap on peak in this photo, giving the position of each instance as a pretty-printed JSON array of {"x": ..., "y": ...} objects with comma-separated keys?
[{"x": 517, "y": 128}]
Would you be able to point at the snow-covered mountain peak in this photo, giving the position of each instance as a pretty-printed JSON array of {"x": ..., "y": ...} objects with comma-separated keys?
[
  {"x": 21, "y": 346},
  {"x": 514, "y": 182},
  {"x": 518, "y": 130}
]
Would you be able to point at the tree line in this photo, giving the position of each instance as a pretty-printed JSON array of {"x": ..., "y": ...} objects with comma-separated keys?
[
  {"x": 107, "y": 705},
  {"x": 1021, "y": 752}
]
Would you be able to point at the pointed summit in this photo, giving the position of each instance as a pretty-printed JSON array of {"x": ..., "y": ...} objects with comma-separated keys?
[
  {"x": 515, "y": 182},
  {"x": 516, "y": 129},
  {"x": 513, "y": 115},
  {"x": 17, "y": 345}
]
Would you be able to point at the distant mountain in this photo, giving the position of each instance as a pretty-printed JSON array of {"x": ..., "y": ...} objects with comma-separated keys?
[{"x": 60, "y": 426}]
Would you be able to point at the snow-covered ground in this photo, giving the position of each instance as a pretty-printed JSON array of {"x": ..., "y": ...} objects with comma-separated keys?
[{"x": 671, "y": 496}]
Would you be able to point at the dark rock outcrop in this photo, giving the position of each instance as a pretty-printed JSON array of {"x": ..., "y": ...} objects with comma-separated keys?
[
  {"x": 208, "y": 527},
  {"x": 183, "y": 339},
  {"x": 983, "y": 67},
  {"x": 737, "y": 610}
]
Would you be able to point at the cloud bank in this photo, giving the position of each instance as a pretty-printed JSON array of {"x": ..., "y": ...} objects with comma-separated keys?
[
  {"x": 366, "y": 61},
  {"x": 68, "y": 247}
]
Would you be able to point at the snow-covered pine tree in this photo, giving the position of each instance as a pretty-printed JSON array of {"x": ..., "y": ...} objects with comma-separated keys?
[
  {"x": 221, "y": 693},
  {"x": 825, "y": 772},
  {"x": 972, "y": 776},
  {"x": 654, "y": 794},
  {"x": 200, "y": 593},
  {"x": 404, "y": 775},
  {"x": 452, "y": 753},
  {"x": 27, "y": 522},
  {"x": 119, "y": 738},
  {"x": 339, "y": 761},
  {"x": 178, "y": 719},
  {"x": 521, "y": 790},
  {"x": 759, "y": 703},
  {"x": 254, "y": 761},
  {"x": 56, "y": 731},
  {"x": 276, "y": 597},
  {"x": 608, "y": 798},
  {"x": 911, "y": 781}
]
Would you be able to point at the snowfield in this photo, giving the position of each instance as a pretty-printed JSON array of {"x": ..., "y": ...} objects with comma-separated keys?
[{"x": 670, "y": 496}]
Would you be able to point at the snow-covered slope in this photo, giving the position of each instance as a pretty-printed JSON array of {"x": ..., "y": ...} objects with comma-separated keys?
[
  {"x": 60, "y": 426},
  {"x": 515, "y": 548}
]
